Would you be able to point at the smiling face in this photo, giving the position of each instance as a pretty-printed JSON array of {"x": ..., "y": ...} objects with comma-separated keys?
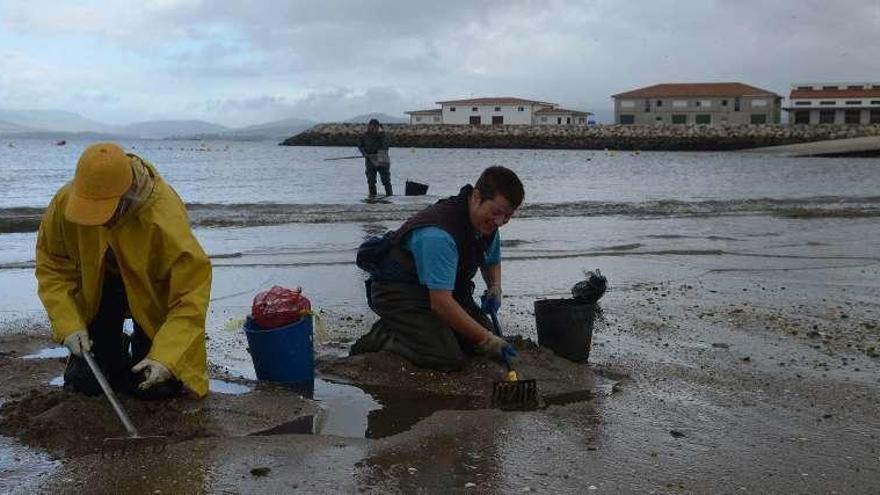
[{"x": 488, "y": 215}]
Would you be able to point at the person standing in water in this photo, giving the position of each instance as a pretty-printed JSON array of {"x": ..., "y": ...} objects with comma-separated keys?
[{"x": 373, "y": 145}]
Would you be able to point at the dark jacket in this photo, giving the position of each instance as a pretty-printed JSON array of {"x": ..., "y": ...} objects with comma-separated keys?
[
  {"x": 371, "y": 143},
  {"x": 450, "y": 214}
]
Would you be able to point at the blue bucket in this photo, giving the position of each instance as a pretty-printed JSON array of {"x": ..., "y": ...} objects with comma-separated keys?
[{"x": 284, "y": 354}]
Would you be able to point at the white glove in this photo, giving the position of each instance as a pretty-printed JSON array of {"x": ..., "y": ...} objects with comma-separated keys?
[
  {"x": 154, "y": 371},
  {"x": 78, "y": 342}
]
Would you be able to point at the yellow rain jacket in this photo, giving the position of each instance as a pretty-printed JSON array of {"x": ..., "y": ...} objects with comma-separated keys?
[{"x": 167, "y": 277}]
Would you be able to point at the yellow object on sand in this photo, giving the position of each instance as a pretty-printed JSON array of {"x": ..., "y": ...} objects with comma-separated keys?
[
  {"x": 512, "y": 376},
  {"x": 166, "y": 273}
]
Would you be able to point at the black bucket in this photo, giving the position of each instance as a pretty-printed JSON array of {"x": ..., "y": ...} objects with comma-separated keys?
[
  {"x": 566, "y": 327},
  {"x": 415, "y": 188}
]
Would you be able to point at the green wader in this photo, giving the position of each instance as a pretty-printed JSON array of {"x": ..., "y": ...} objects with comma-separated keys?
[{"x": 407, "y": 327}]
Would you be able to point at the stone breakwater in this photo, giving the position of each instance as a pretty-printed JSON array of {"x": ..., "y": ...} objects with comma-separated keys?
[{"x": 613, "y": 137}]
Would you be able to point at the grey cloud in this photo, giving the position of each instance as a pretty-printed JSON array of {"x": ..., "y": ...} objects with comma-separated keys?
[{"x": 328, "y": 59}]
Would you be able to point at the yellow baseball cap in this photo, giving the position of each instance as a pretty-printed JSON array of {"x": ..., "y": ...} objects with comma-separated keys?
[{"x": 103, "y": 175}]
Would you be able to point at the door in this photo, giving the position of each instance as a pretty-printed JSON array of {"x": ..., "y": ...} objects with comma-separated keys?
[
  {"x": 475, "y": 120},
  {"x": 497, "y": 120}
]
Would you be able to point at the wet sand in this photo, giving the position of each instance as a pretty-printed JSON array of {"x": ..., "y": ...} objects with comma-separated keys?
[{"x": 759, "y": 380}]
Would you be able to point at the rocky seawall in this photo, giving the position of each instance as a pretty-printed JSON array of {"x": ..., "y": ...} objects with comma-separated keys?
[{"x": 613, "y": 137}]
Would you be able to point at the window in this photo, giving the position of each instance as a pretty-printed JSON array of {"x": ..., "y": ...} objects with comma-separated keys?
[
  {"x": 474, "y": 120},
  {"x": 568, "y": 120},
  {"x": 875, "y": 102},
  {"x": 703, "y": 118},
  {"x": 759, "y": 118},
  {"x": 475, "y": 109},
  {"x": 759, "y": 103},
  {"x": 852, "y": 116},
  {"x": 580, "y": 120},
  {"x": 805, "y": 88},
  {"x": 647, "y": 105},
  {"x": 679, "y": 103},
  {"x": 857, "y": 86},
  {"x": 698, "y": 103},
  {"x": 802, "y": 103},
  {"x": 802, "y": 117},
  {"x": 451, "y": 109},
  {"x": 497, "y": 120},
  {"x": 826, "y": 102},
  {"x": 723, "y": 103},
  {"x": 853, "y": 102},
  {"x": 418, "y": 119},
  {"x": 826, "y": 116},
  {"x": 736, "y": 104},
  {"x": 627, "y": 119},
  {"x": 658, "y": 119},
  {"x": 627, "y": 104},
  {"x": 680, "y": 119},
  {"x": 874, "y": 117},
  {"x": 543, "y": 119},
  {"x": 520, "y": 109},
  {"x": 659, "y": 103},
  {"x": 497, "y": 109},
  {"x": 829, "y": 88}
]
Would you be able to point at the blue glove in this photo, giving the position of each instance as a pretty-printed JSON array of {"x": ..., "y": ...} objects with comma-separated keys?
[
  {"x": 490, "y": 301},
  {"x": 497, "y": 348},
  {"x": 508, "y": 352}
]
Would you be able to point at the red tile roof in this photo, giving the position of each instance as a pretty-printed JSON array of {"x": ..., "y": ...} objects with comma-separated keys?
[
  {"x": 671, "y": 90},
  {"x": 835, "y": 93},
  {"x": 495, "y": 100},
  {"x": 546, "y": 111}
]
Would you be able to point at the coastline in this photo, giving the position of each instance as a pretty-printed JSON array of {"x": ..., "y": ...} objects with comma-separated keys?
[{"x": 610, "y": 137}]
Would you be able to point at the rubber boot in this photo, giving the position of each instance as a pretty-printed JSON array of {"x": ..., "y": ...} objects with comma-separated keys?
[
  {"x": 388, "y": 191},
  {"x": 372, "y": 188}
]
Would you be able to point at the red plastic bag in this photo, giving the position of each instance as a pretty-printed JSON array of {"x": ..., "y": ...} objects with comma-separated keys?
[{"x": 279, "y": 306}]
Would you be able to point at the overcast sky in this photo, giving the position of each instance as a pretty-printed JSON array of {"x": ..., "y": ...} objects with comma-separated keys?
[{"x": 246, "y": 62}]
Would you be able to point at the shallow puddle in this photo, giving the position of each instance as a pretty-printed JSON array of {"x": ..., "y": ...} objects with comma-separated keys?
[
  {"x": 229, "y": 388},
  {"x": 368, "y": 412},
  {"x": 376, "y": 412},
  {"x": 49, "y": 353},
  {"x": 22, "y": 468}
]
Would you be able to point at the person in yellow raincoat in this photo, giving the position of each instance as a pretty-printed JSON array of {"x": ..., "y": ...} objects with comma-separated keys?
[{"x": 116, "y": 243}]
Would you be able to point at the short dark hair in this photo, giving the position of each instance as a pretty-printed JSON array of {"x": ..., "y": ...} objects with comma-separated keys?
[{"x": 500, "y": 180}]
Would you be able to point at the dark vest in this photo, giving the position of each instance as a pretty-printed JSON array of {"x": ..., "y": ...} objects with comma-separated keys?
[{"x": 450, "y": 214}]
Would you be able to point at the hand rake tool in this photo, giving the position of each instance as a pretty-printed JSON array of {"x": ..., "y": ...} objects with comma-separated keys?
[
  {"x": 134, "y": 443},
  {"x": 512, "y": 394}
]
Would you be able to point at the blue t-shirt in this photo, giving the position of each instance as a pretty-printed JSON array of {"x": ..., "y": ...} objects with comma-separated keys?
[{"x": 436, "y": 256}]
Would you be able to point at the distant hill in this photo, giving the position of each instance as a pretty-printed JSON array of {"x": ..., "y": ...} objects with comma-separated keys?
[
  {"x": 10, "y": 128},
  {"x": 381, "y": 117},
  {"x": 278, "y": 129},
  {"x": 60, "y": 124},
  {"x": 52, "y": 120},
  {"x": 158, "y": 129}
]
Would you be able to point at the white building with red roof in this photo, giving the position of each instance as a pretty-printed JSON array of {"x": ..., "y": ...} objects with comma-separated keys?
[
  {"x": 834, "y": 103},
  {"x": 697, "y": 103},
  {"x": 498, "y": 111}
]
